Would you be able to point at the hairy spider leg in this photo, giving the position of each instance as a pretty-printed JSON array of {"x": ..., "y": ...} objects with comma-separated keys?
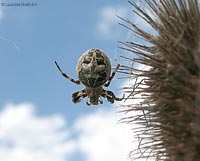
[
  {"x": 78, "y": 96},
  {"x": 88, "y": 102},
  {"x": 112, "y": 76},
  {"x": 111, "y": 96},
  {"x": 66, "y": 76},
  {"x": 100, "y": 100}
]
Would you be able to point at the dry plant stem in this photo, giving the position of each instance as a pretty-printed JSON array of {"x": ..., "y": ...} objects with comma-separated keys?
[{"x": 169, "y": 119}]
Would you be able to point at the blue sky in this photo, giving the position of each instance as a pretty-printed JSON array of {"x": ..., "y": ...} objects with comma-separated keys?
[
  {"x": 35, "y": 106},
  {"x": 52, "y": 31}
]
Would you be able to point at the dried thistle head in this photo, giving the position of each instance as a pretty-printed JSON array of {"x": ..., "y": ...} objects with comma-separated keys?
[{"x": 170, "y": 119}]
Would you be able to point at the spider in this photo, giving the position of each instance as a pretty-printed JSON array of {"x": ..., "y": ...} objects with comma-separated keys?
[{"x": 94, "y": 71}]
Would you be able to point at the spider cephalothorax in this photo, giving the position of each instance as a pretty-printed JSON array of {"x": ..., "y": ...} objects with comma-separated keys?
[{"x": 94, "y": 71}]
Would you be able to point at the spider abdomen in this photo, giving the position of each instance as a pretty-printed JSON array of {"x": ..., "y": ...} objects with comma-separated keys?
[
  {"x": 93, "y": 68},
  {"x": 94, "y": 71}
]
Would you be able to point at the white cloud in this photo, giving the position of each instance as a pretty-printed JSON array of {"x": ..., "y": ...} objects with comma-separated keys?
[
  {"x": 134, "y": 82},
  {"x": 24, "y": 136},
  {"x": 103, "y": 139},
  {"x": 107, "y": 24},
  {"x": 135, "y": 100}
]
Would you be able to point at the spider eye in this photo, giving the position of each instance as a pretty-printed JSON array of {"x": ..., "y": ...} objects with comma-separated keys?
[{"x": 87, "y": 60}]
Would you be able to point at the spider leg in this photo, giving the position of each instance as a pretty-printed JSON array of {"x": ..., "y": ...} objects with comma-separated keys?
[
  {"x": 100, "y": 100},
  {"x": 111, "y": 96},
  {"x": 112, "y": 76},
  {"x": 78, "y": 96},
  {"x": 88, "y": 102},
  {"x": 107, "y": 96},
  {"x": 66, "y": 76}
]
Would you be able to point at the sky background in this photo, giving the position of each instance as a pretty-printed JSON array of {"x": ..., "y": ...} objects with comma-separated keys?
[{"x": 38, "y": 121}]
